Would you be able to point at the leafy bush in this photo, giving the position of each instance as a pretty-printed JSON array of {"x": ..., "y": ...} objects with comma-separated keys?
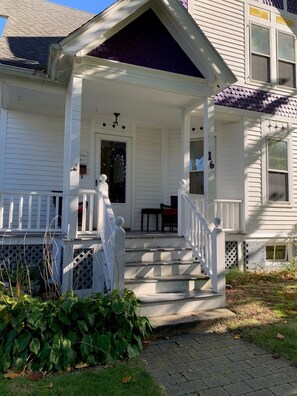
[{"x": 56, "y": 335}]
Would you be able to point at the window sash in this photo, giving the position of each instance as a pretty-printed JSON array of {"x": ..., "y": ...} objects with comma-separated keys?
[
  {"x": 260, "y": 53},
  {"x": 276, "y": 252},
  {"x": 278, "y": 174}
]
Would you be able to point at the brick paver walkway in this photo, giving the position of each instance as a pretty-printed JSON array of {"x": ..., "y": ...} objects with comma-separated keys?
[{"x": 217, "y": 364}]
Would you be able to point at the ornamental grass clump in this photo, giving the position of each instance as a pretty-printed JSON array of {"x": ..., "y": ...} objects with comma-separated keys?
[{"x": 60, "y": 334}]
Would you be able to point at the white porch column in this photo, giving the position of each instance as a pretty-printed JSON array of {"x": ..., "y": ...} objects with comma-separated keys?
[
  {"x": 71, "y": 156},
  {"x": 185, "y": 144},
  {"x": 209, "y": 153}
]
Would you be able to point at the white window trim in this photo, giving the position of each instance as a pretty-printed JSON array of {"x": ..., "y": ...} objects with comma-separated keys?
[
  {"x": 284, "y": 135},
  {"x": 275, "y": 260},
  {"x": 274, "y": 27}
]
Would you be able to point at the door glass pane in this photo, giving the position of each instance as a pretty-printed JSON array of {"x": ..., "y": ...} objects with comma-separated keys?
[
  {"x": 113, "y": 165},
  {"x": 286, "y": 47},
  {"x": 260, "y": 40}
]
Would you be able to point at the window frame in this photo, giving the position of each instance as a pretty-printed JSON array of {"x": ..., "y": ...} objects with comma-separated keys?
[
  {"x": 274, "y": 27},
  {"x": 278, "y": 59},
  {"x": 278, "y": 130},
  {"x": 251, "y": 52},
  {"x": 274, "y": 170},
  {"x": 275, "y": 245}
]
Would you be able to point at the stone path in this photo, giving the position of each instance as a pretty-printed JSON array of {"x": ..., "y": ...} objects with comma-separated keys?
[{"x": 217, "y": 364}]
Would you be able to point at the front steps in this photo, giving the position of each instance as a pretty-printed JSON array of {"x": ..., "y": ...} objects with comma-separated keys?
[{"x": 162, "y": 273}]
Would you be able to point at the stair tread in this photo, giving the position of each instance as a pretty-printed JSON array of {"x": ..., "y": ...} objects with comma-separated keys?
[
  {"x": 157, "y": 249},
  {"x": 166, "y": 278},
  {"x": 163, "y": 262},
  {"x": 174, "y": 296}
]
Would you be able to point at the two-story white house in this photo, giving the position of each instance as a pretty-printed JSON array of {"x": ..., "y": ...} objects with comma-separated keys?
[{"x": 166, "y": 98}]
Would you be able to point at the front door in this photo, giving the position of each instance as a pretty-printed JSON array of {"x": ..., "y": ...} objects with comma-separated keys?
[{"x": 114, "y": 154}]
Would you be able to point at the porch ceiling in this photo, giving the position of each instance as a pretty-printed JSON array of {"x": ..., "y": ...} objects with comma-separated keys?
[
  {"x": 105, "y": 97},
  {"x": 134, "y": 102}
]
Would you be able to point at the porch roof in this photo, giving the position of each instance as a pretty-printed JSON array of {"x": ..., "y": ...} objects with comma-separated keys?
[{"x": 173, "y": 16}]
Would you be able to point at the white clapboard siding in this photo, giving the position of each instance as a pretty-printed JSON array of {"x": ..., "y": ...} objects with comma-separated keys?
[
  {"x": 229, "y": 169},
  {"x": 173, "y": 163},
  {"x": 33, "y": 153},
  {"x": 148, "y": 174},
  {"x": 223, "y": 24},
  {"x": 266, "y": 219}
]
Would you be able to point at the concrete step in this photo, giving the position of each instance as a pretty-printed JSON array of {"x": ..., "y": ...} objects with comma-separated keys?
[
  {"x": 173, "y": 283},
  {"x": 161, "y": 268},
  {"x": 160, "y": 304},
  {"x": 158, "y": 254}
]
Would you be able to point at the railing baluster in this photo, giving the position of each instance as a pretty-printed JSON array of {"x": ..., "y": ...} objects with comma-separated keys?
[
  {"x": 91, "y": 212},
  {"x": 11, "y": 208},
  {"x": 84, "y": 214},
  {"x": 30, "y": 205},
  {"x": 47, "y": 217},
  {"x": 21, "y": 207},
  {"x": 1, "y": 210},
  {"x": 38, "y": 212}
]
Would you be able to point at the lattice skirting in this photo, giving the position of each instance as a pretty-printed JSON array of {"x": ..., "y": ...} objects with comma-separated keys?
[
  {"x": 12, "y": 255},
  {"x": 231, "y": 254},
  {"x": 83, "y": 271}
]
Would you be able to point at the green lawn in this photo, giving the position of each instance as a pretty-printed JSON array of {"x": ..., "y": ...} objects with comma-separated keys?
[
  {"x": 266, "y": 308},
  {"x": 124, "y": 379}
]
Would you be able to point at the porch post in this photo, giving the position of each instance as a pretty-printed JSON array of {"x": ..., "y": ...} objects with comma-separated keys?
[
  {"x": 186, "y": 135},
  {"x": 71, "y": 157},
  {"x": 209, "y": 159}
]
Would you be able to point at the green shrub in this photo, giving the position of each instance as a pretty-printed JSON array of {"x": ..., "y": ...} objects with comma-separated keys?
[{"x": 56, "y": 335}]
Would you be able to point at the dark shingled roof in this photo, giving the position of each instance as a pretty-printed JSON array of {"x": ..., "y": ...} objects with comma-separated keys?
[{"x": 32, "y": 26}]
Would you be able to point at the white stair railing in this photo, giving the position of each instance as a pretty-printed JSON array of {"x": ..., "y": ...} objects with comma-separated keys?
[
  {"x": 207, "y": 244},
  {"x": 112, "y": 237}
]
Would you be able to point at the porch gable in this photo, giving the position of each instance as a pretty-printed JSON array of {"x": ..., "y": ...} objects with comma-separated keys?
[{"x": 146, "y": 42}]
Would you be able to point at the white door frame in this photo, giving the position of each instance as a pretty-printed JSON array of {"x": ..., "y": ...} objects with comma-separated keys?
[{"x": 124, "y": 210}]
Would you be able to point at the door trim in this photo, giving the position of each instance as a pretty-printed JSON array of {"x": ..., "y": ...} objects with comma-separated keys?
[{"x": 124, "y": 139}]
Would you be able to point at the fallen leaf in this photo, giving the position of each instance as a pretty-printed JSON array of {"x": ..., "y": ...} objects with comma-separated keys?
[
  {"x": 280, "y": 336},
  {"x": 49, "y": 385},
  {"x": 34, "y": 376},
  {"x": 81, "y": 365},
  {"x": 236, "y": 337},
  {"x": 145, "y": 344},
  {"x": 11, "y": 374},
  {"x": 126, "y": 379},
  {"x": 167, "y": 338}
]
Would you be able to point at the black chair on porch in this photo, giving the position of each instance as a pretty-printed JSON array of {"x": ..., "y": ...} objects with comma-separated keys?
[{"x": 169, "y": 214}]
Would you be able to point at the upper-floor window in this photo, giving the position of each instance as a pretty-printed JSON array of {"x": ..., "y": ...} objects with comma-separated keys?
[
  {"x": 260, "y": 53},
  {"x": 286, "y": 59},
  {"x": 272, "y": 47}
]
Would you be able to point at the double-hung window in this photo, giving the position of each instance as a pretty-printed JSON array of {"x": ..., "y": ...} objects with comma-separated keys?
[
  {"x": 260, "y": 53},
  {"x": 278, "y": 172},
  {"x": 286, "y": 59},
  {"x": 272, "y": 47}
]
